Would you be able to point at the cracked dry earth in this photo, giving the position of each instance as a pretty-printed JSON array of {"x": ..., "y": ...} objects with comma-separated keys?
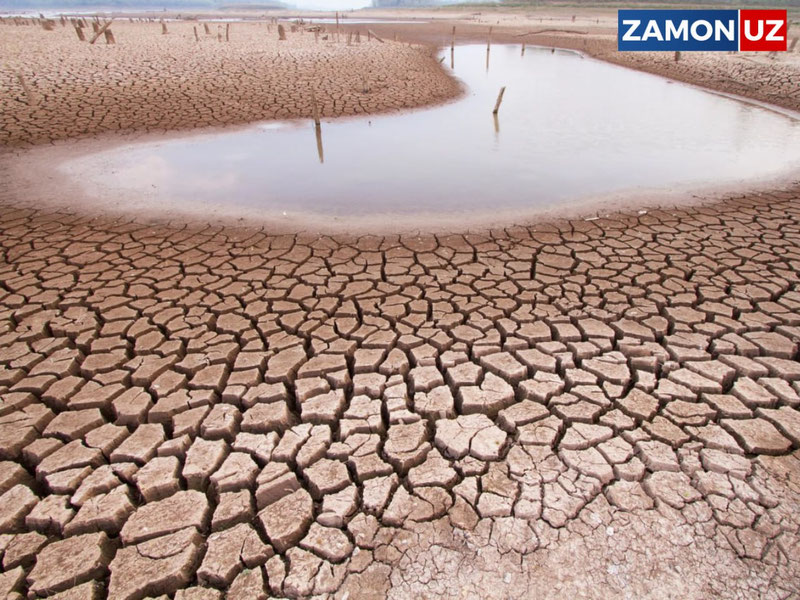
[
  {"x": 153, "y": 82},
  {"x": 596, "y": 408}
]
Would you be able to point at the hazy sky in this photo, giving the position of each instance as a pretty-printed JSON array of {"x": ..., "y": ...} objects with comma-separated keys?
[{"x": 329, "y": 4}]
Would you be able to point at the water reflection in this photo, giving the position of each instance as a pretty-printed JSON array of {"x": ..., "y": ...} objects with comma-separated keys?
[
  {"x": 318, "y": 133},
  {"x": 572, "y": 129}
]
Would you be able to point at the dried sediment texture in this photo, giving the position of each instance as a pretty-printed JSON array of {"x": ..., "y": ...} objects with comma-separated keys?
[
  {"x": 149, "y": 81},
  {"x": 605, "y": 407}
]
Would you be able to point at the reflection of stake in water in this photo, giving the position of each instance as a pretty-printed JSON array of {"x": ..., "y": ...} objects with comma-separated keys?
[
  {"x": 318, "y": 132},
  {"x": 317, "y": 126},
  {"x": 453, "y": 49},
  {"x": 488, "y": 48}
]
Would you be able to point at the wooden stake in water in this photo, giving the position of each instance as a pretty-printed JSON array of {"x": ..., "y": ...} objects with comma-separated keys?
[{"x": 499, "y": 100}]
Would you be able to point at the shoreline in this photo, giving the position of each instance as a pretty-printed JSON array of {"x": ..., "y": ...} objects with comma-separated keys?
[{"x": 25, "y": 184}]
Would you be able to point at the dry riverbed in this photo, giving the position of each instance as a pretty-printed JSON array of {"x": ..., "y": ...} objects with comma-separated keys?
[{"x": 602, "y": 408}]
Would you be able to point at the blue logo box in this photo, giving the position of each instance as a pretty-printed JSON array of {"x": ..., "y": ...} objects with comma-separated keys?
[{"x": 686, "y": 30}]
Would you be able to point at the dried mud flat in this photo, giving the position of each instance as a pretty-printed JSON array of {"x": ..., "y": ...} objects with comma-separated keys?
[
  {"x": 153, "y": 82},
  {"x": 603, "y": 408}
]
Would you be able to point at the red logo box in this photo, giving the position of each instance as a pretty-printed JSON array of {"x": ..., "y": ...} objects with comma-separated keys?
[{"x": 763, "y": 30}]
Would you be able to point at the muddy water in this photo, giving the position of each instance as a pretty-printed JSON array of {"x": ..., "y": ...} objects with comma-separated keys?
[{"x": 569, "y": 129}]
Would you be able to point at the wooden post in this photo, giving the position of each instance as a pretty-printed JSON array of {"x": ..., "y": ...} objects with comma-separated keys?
[
  {"x": 30, "y": 100},
  {"x": 337, "y": 25},
  {"x": 349, "y": 38},
  {"x": 196, "y": 37},
  {"x": 369, "y": 35},
  {"x": 281, "y": 33},
  {"x": 109, "y": 37},
  {"x": 205, "y": 26},
  {"x": 489, "y": 40},
  {"x": 523, "y": 48},
  {"x": 163, "y": 28},
  {"x": 375, "y": 36},
  {"x": 677, "y": 55},
  {"x": 100, "y": 32},
  {"x": 314, "y": 108},
  {"x": 316, "y": 35},
  {"x": 227, "y": 32},
  {"x": 358, "y": 37},
  {"x": 499, "y": 100},
  {"x": 453, "y": 39},
  {"x": 79, "y": 31},
  {"x": 95, "y": 26}
]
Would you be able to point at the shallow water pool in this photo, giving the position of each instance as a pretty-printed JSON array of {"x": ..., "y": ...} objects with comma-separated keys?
[{"x": 569, "y": 129}]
